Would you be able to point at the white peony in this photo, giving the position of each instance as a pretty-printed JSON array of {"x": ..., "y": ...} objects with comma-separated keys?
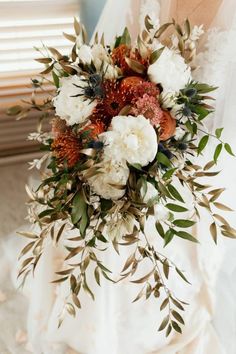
[
  {"x": 73, "y": 109},
  {"x": 85, "y": 54},
  {"x": 170, "y": 70},
  {"x": 112, "y": 173},
  {"x": 132, "y": 139}
]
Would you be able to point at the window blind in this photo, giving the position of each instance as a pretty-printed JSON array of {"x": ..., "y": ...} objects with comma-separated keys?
[{"x": 24, "y": 26}]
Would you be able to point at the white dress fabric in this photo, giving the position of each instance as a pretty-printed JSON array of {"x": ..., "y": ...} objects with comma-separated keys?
[{"x": 112, "y": 324}]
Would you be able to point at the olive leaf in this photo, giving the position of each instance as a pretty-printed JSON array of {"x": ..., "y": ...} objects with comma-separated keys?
[
  {"x": 182, "y": 275},
  {"x": 173, "y": 191},
  {"x": 164, "y": 323},
  {"x": 183, "y": 223},
  {"x": 177, "y": 316},
  {"x": 176, "y": 208}
]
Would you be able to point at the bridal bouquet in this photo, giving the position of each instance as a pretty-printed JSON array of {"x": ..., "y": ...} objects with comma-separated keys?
[{"x": 127, "y": 125}]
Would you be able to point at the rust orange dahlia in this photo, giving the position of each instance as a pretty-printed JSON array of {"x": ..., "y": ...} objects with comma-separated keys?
[{"x": 66, "y": 148}]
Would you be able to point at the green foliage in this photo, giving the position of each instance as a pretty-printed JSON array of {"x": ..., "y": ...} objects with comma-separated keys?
[
  {"x": 79, "y": 214},
  {"x": 163, "y": 159}
]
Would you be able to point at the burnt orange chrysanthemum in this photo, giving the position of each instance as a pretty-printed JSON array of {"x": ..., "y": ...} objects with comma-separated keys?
[
  {"x": 66, "y": 148},
  {"x": 112, "y": 103},
  {"x": 93, "y": 130}
]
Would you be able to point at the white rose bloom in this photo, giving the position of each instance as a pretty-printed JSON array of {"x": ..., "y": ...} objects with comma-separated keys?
[
  {"x": 73, "y": 109},
  {"x": 171, "y": 71},
  {"x": 132, "y": 139},
  {"x": 112, "y": 173},
  {"x": 161, "y": 212},
  {"x": 85, "y": 54}
]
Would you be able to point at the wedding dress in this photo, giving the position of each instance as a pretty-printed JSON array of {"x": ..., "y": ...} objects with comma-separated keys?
[{"x": 112, "y": 324}]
